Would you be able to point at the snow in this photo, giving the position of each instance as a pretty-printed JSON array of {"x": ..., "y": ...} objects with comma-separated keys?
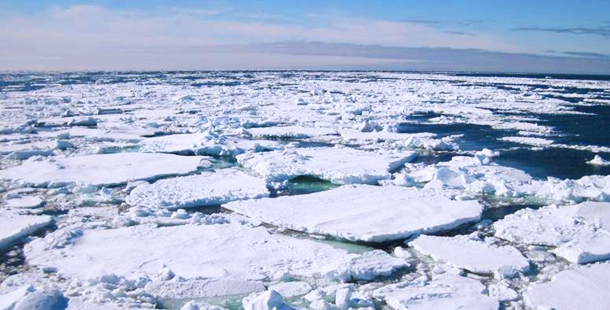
[
  {"x": 14, "y": 227},
  {"x": 363, "y": 212},
  {"x": 473, "y": 256},
  {"x": 445, "y": 292},
  {"x": 579, "y": 232},
  {"x": 584, "y": 287},
  {"x": 191, "y": 252},
  {"x": 205, "y": 189},
  {"x": 291, "y": 289},
  {"x": 103, "y": 170},
  {"x": 8, "y": 300},
  {"x": 338, "y": 165}
]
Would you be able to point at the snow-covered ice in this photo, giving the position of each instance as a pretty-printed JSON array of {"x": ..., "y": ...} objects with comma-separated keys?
[
  {"x": 580, "y": 233},
  {"x": 205, "y": 189},
  {"x": 473, "y": 256},
  {"x": 584, "y": 287},
  {"x": 14, "y": 227},
  {"x": 363, "y": 212},
  {"x": 340, "y": 165},
  {"x": 445, "y": 292},
  {"x": 103, "y": 170}
]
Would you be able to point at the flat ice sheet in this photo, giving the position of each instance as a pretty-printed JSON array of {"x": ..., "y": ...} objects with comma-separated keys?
[
  {"x": 340, "y": 165},
  {"x": 363, "y": 212},
  {"x": 204, "y": 144},
  {"x": 206, "y": 251},
  {"x": 103, "y": 170},
  {"x": 474, "y": 256},
  {"x": 14, "y": 226},
  {"x": 584, "y": 287},
  {"x": 206, "y": 189}
]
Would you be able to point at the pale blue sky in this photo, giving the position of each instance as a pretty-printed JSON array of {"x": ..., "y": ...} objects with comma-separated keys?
[{"x": 189, "y": 34}]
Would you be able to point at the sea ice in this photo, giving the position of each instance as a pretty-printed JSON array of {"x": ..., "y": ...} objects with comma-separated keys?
[
  {"x": 447, "y": 291},
  {"x": 103, "y": 170},
  {"x": 473, "y": 256},
  {"x": 585, "y": 287},
  {"x": 205, "y": 189},
  {"x": 598, "y": 161},
  {"x": 580, "y": 232},
  {"x": 363, "y": 212},
  {"x": 14, "y": 227},
  {"x": 190, "y": 252},
  {"x": 340, "y": 165},
  {"x": 291, "y": 132}
]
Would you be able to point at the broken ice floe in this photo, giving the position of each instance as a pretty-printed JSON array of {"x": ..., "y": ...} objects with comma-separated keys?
[{"x": 363, "y": 213}]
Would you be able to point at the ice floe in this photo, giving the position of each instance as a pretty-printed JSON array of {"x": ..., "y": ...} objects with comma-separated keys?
[
  {"x": 205, "y": 189},
  {"x": 103, "y": 170},
  {"x": 445, "y": 292},
  {"x": 14, "y": 227},
  {"x": 584, "y": 287},
  {"x": 474, "y": 256},
  {"x": 363, "y": 213},
  {"x": 340, "y": 165},
  {"x": 579, "y": 233}
]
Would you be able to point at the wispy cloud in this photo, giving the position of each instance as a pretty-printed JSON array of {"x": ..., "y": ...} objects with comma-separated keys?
[{"x": 603, "y": 31}]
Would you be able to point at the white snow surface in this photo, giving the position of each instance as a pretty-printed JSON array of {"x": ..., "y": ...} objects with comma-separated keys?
[
  {"x": 445, "y": 292},
  {"x": 363, "y": 212},
  {"x": 584, "y": 287},
  {"x": 473, "y": 256},
  {"x": 14, "y": 227},
  {"x": 103, "y": 170},
  {"x": 580, "y": 233},
  {"x": 206, "y": 251},
  {"x": 205, "y": 189},
  {"x": 340, "y": 165}
]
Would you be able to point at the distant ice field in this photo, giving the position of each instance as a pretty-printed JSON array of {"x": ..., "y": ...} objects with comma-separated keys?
[{"x": 303, "y": 190}]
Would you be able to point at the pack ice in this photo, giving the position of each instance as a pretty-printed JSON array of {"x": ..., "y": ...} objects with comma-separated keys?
[
  {"x": 363, "y": 212},
  {"x": 14, "y": 227}
]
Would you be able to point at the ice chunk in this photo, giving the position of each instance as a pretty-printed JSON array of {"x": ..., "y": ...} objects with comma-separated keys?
[
  {"x": 103, "y": 170},
  {"x": 206, "y": 189},
  {"x": 27, "y": 202},
  {"x": 585, "y": 287},
  {"x": 579, "y": 232},
  {"x": 51, "y": 300},
  {"x": 363, "y": 212},
  {"x": 598, "y": 161},
  {"x": 192, "y": 305},
  {"x": 592, "y": 187},
  {"x": 338, "y": 165},
  {"x": 206, "y": 251},
  {"x": 474, "y": 256},
  {"x": 372, "y": 265},
  {"x": 8, "y": 300},
  {"x": 445, "y": 292},
  {"x": 14, "y": 227},
  {"x": 269, "y": 300}
]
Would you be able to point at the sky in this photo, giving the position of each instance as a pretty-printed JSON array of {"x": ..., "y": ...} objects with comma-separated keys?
[{"x": 507, "y": 36}]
